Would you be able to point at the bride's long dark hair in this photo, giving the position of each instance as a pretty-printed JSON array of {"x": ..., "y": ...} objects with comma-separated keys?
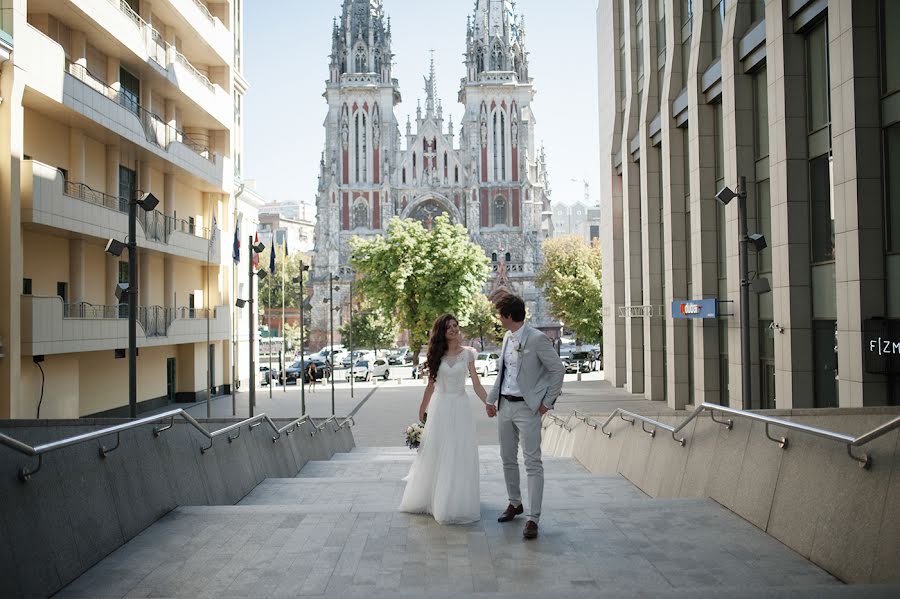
[{"x": 437, "y": 343}]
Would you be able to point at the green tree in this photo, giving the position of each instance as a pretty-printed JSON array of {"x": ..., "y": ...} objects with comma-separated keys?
[
  {"x": 418, "y": 274},
  {"x": 281, "y": 283},
  {"x": 483, "y": 323},
  {"x": 372, "y": 328},
  {"x": 292, "y": 336},
  {"x": 571, "y": 280}
]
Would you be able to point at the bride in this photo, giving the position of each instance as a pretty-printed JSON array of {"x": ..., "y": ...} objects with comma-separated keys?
[{"x": 444, "y": 478}]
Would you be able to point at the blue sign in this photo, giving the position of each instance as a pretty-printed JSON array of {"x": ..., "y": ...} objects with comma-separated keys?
[{"x": 705, "y": 308}]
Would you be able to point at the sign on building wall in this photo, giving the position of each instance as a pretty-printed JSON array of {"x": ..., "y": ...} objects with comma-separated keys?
[
  {"x": 881, "y": 345},
  {"x": 704, "y": 308}
]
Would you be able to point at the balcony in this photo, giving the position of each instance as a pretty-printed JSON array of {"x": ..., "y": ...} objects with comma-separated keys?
[
  {"x": 49, "y": 200},
  {"x": 51, "y": 327},
  {"x": 212, "y": 32},
  {"x": 150, "y": 46}
]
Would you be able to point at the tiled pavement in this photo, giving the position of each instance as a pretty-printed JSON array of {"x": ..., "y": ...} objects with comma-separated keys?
[{"x": 334, "y": 531}]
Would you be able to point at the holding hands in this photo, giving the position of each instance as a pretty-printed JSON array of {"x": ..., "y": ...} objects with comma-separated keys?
[{"x": 491, "y": 409}]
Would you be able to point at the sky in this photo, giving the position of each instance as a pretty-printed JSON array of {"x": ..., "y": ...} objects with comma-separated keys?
[{"x": 286, "y": 48}]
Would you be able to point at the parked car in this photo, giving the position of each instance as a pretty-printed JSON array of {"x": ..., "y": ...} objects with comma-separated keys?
[
  {"x": 576, "y": 361},
  {"x": 266, "y": 376},
  {"x": 368, "y": 369},
  {"x": 292, "y": 372},
  {"x": 487, "y": 363},
  {"x": 353, "y": 356}
]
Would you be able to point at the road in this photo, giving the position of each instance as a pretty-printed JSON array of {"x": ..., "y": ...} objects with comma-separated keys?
[{"x": 383, "y": 409}]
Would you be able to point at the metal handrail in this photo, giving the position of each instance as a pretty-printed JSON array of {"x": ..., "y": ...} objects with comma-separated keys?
[
  {"x": 865, "y": 460},
  {"x": 25, "y": 473}
]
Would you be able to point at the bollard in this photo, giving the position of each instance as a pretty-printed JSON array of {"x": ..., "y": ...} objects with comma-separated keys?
[{"x": 578, "y": 368}]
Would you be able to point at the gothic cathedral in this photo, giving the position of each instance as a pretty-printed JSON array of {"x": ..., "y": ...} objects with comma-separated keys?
[{"x": 492, "y": 178}]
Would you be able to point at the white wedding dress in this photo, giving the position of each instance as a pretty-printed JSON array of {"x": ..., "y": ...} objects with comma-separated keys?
[{"x": 444, "y": 478}]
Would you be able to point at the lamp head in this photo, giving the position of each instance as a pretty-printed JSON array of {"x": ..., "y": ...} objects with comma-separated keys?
[
  {"x": 759, "y": 241},
  {"x": 262, "y": 274},
  {"x": 725, "y": 195},
  {"x": 148, "y": 202},
  {"x": 122, "y": 292},
  {"x": 760, "y": 285},
  {"x": 259, "y": 247},
  {"x": 240, "y": 303},
  {"x": 114, "y": 247}
]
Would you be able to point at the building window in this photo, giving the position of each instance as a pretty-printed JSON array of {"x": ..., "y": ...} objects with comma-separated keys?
[
  {"x": 127, "y": 187},
  {"x": 766, "y": 365},
  {"x": 129, "y": 91},
  {"x": 818, "y": 86},
  {"x": 404, "y": 174},
  {"x": 456, "y": 174},
  {"x": 62, "y": 290},
  {"x": 508, "y": 257},
  {"x": 362, "y": 63},
  {"x": 623, "y": 6},
  {"x": 825, "y": 363},
  {"x": 687, "y": 24},
  {"x": 639, "y": 45},
  {"x": 26, "y": 286},
  {"x": 717, "y": 20},
  {"x": 821, "y": 209},
  {"x": 360, "y": 216},
  {"x": 499, "y": 210},
  {"x": 758, "y": 10},
  {"x": 890, "y": 46},
  {"x": 494, "y": 257},
  {"x": 661, "y": 32}
]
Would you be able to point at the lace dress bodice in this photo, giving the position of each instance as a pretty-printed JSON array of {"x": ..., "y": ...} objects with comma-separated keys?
[{"x": 451, "y": 379}]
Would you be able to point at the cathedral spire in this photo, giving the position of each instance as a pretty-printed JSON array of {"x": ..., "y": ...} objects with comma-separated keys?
[
  {"x": 495, "y": 38},
  {"x": 430, "y": 90}
]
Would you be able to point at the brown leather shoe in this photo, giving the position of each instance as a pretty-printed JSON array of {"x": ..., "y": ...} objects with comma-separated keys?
[
  {"x": 510, "y": 513},
  {"x": 531, "y": 530}
]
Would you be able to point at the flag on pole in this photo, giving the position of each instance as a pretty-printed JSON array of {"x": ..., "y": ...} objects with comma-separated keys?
[
  {"x": 255, "y": 256},
  {"x": 236, "y": 246},
  {"x": 212, "y": 233},
  {"x": 272, "y": 255}
]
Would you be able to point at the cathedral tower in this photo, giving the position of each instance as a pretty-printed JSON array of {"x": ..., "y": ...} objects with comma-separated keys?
[{"x": 490, "y": 179}]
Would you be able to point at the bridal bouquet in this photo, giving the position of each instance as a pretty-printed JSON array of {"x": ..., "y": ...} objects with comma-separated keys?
[{"x": 414, "y": 435}]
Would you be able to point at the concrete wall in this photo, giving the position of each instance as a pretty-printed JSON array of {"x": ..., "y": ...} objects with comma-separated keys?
[
  {"x": 811, "y": 496},
  {"x": 80, "y": 507}
]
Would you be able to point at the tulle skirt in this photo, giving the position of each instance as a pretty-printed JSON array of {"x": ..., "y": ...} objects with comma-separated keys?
[{"x": 444, "y": 477}]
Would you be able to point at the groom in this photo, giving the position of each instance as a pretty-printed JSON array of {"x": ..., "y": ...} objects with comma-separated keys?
[{"x": 529, "y": 379}]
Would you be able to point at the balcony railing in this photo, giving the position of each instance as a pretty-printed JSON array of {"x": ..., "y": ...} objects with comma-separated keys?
[
  {"x": 156, "y": 225},
  {"x": 157, "y": 47},
  {"x": 154, "y": 320},
  {"x": 205, "y": 10},
  {"x": 156, "y": 131}
]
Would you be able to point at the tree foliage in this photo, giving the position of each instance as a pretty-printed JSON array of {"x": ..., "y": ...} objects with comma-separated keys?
[
  {"x": 418, "y": 274},
  {"x": 372, "y": 328},
  {"x": 483, "y": 323},
  {"x": 571, "y": 279},
  {"x": 282, "y": 281}
]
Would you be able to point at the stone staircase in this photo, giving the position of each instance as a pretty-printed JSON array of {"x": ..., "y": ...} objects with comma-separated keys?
[{"x": 334, "y": 531}]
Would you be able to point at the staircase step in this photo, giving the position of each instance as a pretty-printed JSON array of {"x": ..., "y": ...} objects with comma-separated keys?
[
  {"x": 636, "y": 548},
  {"x": 583, "y": 491}
]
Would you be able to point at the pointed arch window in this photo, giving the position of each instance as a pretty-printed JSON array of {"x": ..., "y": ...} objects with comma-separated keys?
[
  {"x": 378, "y": 61},
  {"x": 360, "y": 216},
  {"x": 362, "y": 63},
  {"x": 404, "y": 174},
  {"x": 496, "y": 145},
  {"x": 499, "y": 210},
  {"x": 494, "y": 257},
  {"x": 414, "y": 165},
  {"x": 508, "y": 257},
  {"x": 356, "y": 146},
  {"x": 479, "y": 59},
  {"x": 456, "y": 174},
  {"x": 497, "y": 57},
  {"x": 502, "y": 146}
]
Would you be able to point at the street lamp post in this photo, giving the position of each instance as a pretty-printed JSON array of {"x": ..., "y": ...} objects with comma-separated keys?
[
  {"x": 261, "y": 274},
  {"x": 147, "y": 201},
  {"x": 302, "y": 300},
  {"x": 758, "y": 241},
  {"x": 331, "y": 334},
  {"x": 352, "y": 362}
]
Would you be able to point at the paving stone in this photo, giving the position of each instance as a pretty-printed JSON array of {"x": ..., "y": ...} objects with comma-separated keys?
[{"x": 329, "y": 534}]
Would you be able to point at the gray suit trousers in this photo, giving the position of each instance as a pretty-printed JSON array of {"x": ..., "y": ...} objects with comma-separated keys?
[{"x": 519, "y": 424}]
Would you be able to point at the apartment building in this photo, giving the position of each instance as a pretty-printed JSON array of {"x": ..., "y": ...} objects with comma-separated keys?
[
  {"x": 104, "y": 101},
  {"x": 801, "y": 97}
]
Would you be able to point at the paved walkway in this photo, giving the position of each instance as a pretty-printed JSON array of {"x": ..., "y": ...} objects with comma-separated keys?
[{"x": 334, "y": 531}]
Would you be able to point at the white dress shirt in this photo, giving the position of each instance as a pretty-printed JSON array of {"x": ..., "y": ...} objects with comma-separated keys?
[{"x": 511, "y": 363}]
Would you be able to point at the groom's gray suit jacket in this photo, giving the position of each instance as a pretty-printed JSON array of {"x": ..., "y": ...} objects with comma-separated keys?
[{"x": 541, "y": 371}]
